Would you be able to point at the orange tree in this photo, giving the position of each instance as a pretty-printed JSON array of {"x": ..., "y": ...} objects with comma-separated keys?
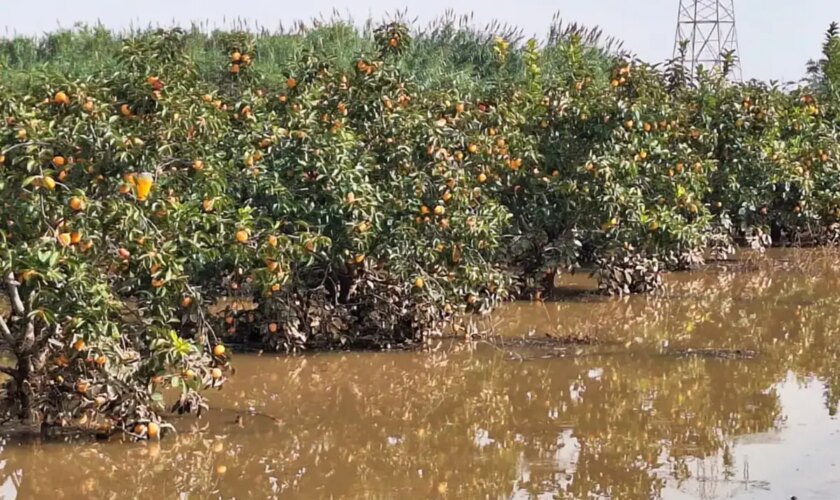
[
  {"x": 98, "y": 251},
  {"x": 366, "y": 223}
]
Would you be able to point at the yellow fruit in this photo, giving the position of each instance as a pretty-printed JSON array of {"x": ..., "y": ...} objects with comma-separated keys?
[
  {"x": 219, "y": 350},
  {"x": 216, "y": 373},
  {"x": 439, "y": 210},
  {"x": 208, "y": 204},
  {"x": 153, "y": 430},
  {"x": 419, "y": 283},
  {"x": 482, "y": 178},
  {"x": 242, "y": 236},
  {"x": 472, "y": 148},
  {"x": 64, "y": 239},
  {"x": 144, "y": 185},
  {"x": 359, "y": 258},
  {"x": 198, "y": 165},
  {"x": 48, "y": 182},
  {"x": 235, "y": 56}
]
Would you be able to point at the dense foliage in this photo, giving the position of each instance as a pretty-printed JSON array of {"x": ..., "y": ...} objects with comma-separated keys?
[{"x": 341, "y": 188}]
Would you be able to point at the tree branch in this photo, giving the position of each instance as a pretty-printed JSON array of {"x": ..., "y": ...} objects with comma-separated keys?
[
  {"x": 7, "y": 334},
  {"x": 14, "y": 296}
]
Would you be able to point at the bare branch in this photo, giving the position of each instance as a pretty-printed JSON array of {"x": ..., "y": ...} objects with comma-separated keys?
[
  {"x": 14, "y": 296},
  {"x": 8, "y": 371},
  {"x": 7, "y": 334}
]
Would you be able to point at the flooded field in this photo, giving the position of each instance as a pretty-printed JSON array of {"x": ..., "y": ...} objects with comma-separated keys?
[{"x": 725, "y": 385}]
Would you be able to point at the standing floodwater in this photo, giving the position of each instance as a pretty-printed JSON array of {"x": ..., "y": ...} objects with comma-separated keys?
[{"x": 725, "y": 385}]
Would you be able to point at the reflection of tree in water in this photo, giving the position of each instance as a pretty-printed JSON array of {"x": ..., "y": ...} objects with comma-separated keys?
[{"x": 476, "y": 423}]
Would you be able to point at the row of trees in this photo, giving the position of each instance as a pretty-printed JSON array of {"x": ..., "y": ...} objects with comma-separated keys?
[{"x": 364, "y": 200}]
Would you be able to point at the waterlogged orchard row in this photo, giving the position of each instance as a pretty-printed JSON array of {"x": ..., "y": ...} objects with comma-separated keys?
[
  {"x": 361, "y": 197},
  {"x": 725, "y": 385}
]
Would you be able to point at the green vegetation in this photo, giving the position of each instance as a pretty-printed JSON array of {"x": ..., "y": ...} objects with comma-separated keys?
[{"x": 346, "y": 188}]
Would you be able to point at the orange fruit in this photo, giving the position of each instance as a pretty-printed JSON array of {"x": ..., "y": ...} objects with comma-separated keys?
[
  {"x": 439, "y": 210},
  {"x": 216, "y": 373},
  {"x": 246, "y": 59},
  {"x": 472, "y": 148},
  {"x": 101, "y": 360},
  {"x": 75, "y": 237},
  {"x": 419, "y": 282},
  {"x": 208, "y": 205},
  {"x": 219, "y": 350},
  {"x": 424, "y": 210},
  {"x": 242, "y": 236},
  {"x": 140, "y": 429},
  {"x": 272, "y": 327},
  {"x": 359, "y": 258},
  {"x": 291, "y": 83},
  {"x": 482, "y": 177},
  {"x": 82, "y": 386},
  {"x": 186, "y": 301},
  {"x": 125, "y": 110},
  {"x": 154, "y": 430},
  {"x": 235, "y": 56},
  {"x": 157, "y": 283},
  {"x": 79, "y": 345},
  {"x": 198, "y": 165},
  {"x": 76, "y": 204},
  {"x": 88, "y": 106},
  {"x": 61, "y": 98},
  {"x": 59, "y": 161}
]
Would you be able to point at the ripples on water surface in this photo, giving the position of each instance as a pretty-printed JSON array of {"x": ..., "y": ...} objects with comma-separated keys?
[{"x": 724, "y": 386}]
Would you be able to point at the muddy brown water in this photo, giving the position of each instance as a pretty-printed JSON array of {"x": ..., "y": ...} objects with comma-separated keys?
[{"x": 725, "y": 385}]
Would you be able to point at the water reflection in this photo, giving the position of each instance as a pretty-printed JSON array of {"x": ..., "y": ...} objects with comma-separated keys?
[{"x": 632, "y": 417}]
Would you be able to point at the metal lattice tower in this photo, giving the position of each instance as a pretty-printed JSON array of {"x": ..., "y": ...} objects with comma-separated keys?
[{"x": 708, "y": 27}]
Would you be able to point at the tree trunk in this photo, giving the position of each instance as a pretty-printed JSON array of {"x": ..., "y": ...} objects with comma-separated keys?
[{"x": 23, "y": 386}]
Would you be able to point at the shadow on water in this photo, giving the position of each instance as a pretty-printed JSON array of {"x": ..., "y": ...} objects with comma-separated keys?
[{"x": 724, "y": 385}]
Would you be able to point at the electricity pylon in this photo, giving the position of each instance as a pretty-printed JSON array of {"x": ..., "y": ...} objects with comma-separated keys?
[{"x": 707, "y": 27}]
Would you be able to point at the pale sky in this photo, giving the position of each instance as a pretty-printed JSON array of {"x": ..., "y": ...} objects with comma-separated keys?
[{"x": 776, "y": 37}]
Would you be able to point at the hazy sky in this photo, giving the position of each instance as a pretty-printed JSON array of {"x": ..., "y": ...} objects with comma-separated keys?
[{"x": 777, "y": 37}]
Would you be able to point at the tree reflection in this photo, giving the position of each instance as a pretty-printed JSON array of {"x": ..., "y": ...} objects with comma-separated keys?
[{"x": 622, "y": 419}]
